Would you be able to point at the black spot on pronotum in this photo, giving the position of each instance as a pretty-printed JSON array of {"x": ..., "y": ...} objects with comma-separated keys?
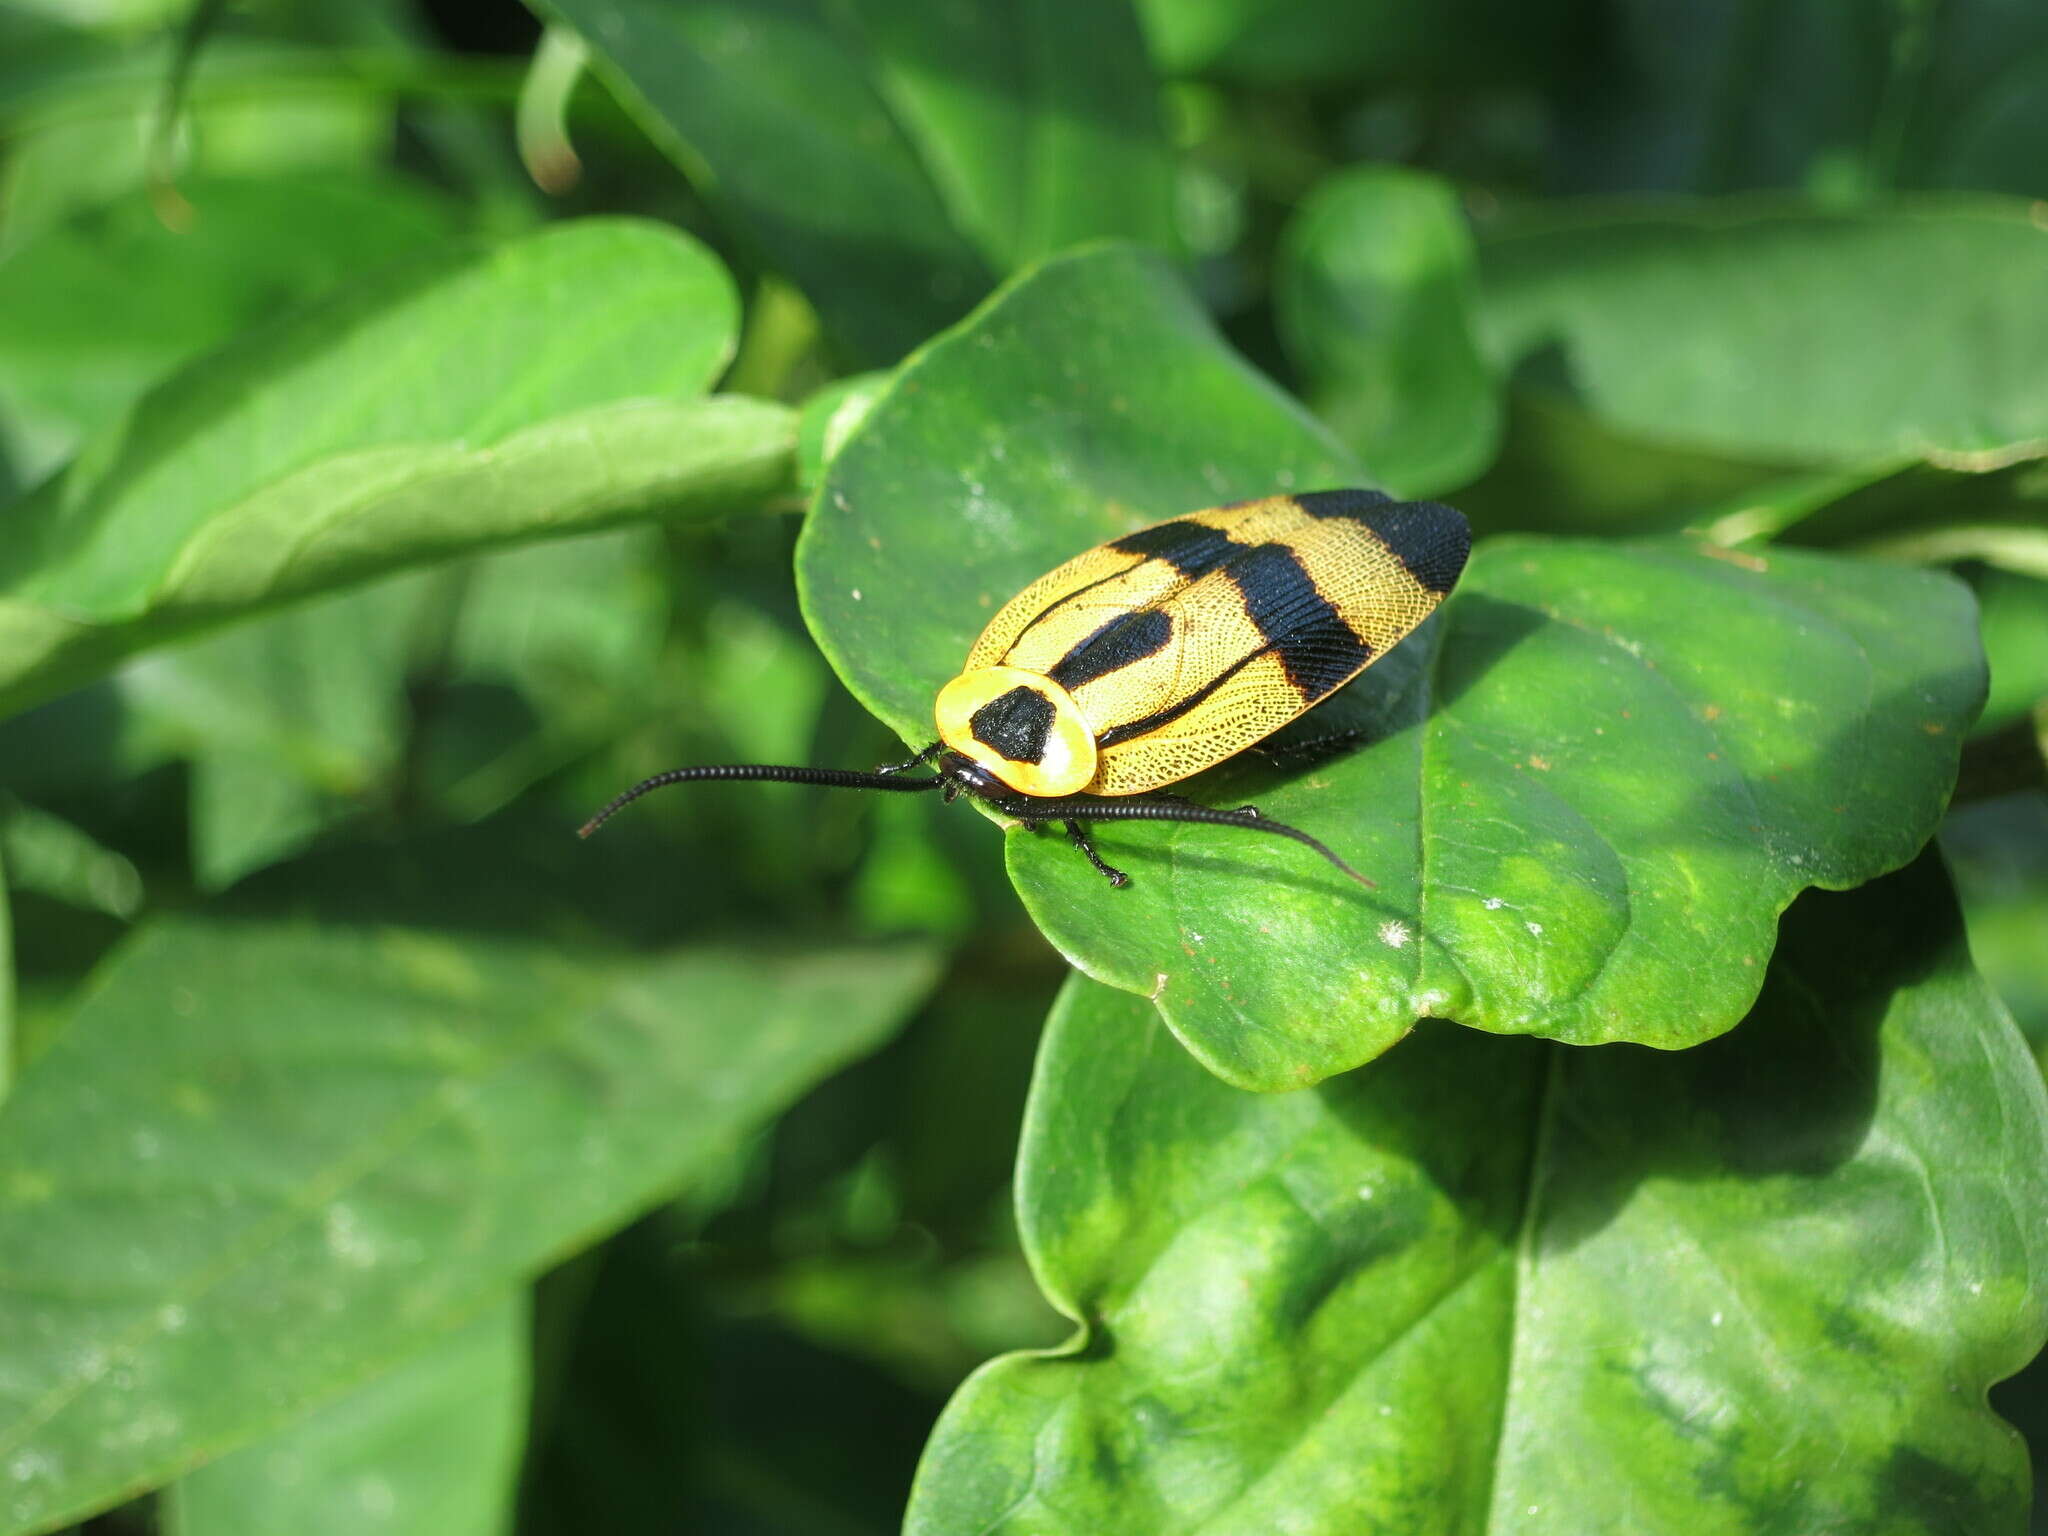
[
  {"x": 1431, "y": 540},
  {"x": 1015, "y": 724},
  {"x": 1300, "y": 625},
  {"x": 1124, "y": 639}
]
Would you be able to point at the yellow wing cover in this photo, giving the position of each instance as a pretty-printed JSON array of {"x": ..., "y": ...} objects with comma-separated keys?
[{"x": 1187, "y": 641}]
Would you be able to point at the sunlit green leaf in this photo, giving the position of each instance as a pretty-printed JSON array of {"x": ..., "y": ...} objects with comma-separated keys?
[
  {"x": 275, "y": 1154},
  {"x": 102, "y": 305},
  {"x": 1588, "y": 787},
  {"x": 475, "y": 401},
  {"x": 1493, "y": 1285},
  {"x": 430, "y": 1448}
]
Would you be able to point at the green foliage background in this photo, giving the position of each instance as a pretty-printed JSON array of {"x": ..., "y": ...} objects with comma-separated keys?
[{"x": 418, "y": 422}]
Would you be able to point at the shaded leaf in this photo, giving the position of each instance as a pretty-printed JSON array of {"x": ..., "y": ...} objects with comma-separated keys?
[
  {"x": 1842, "y": 101},
  {"x": 1768, "y": 331},
  {"x": 345, "y": 1135},
  {"x": 673, "y": 1417},
  {"x": 1375, "y": 296},
  {"x": 308, "y": 718},
  {"x": 892, "y": 157},
  {"x": 1590, "y": 785},
  {"x": 471, "y": 402},
  {"x": 1492, "y": 1285},
  {"x": 430, "y": 1447},
  {"x": 1998, "y": 849}
]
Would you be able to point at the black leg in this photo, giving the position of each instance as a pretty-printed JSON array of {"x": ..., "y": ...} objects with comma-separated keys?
[
  {"x": 916, "y": 762},
  {"x": 1077, "y": 834},
  {"x": 1310, "y": 750}
]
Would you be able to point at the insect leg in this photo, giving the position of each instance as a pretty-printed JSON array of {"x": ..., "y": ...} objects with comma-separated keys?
[
  {"x": 1077, "y": 834},
  {"x": 916, "y": 762},
  {"x": 1311, "y": 749}
]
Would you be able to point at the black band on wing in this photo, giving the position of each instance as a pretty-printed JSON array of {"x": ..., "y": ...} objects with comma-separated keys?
[
  {"x": 1430, "y": 539},
  {"x": 1124, "y": 639},
  {"x": 1301, "y": 626}
]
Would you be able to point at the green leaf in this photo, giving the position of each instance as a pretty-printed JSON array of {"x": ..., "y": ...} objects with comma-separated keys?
[
  {"x": 1591, "y": 784},
  {"x": 534, "y": 391},
  {"x": 1375, "y": 294},
  {"x": 1491, "y": 1285},
  {"x": 431, "y": 1447},
  {"x": 285, "y": 1143},
  {"x": 1769, "y": 331},
  {"x": 892, "y": 157},
  {"x": 828, "y": 419},
  {"x": 100, "y": 306}
]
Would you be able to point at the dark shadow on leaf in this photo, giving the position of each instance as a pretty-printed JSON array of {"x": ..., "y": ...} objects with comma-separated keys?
[{"x": 1786, "y": 1097}]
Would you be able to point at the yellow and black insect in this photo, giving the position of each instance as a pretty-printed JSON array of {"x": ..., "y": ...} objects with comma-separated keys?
[{"x": 1159, "y": 654}]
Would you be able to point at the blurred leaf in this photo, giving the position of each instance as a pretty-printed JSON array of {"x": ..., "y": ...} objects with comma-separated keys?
[
  {"x": 353, "y": 1133},
  {"x": 1379, "y": 42},
  {"x": 308, "y": 718},
  {"x": 49, "y": 855},
  {"x": 430, "y": 1447},
  {"x": 99, "y": 307},
  {"x": 459, "y": 405},
  {"x": 576, "y": 627},
  {"x": 286, "y": 720},
  {"x": 1770, "y": 332},
  {"x": 1844, "y": 101},
  {"x": 1593, "y": 782},
  {"x": 892, "y": 157},
  {"x": 2013, "y": 611},
  {"x": 1499, "y": 1285},
  {"x": 1998, "y": 849},
  {"x": 9, "y": 1046},
  {"x": 80, "y": 114},
  {"x": 1560, "y": 469},
  {"x": 677, "y": 1415},
  {"x": 1375, "y": 296}
]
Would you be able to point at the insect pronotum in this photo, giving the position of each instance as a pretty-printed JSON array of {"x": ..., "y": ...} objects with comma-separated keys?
[{"x": 1147, "y": 659}]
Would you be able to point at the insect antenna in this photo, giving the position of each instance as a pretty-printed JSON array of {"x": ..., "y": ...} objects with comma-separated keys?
[
  {"x": 1152, "y": 810},
  {"x": 830, "y": 778}
]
